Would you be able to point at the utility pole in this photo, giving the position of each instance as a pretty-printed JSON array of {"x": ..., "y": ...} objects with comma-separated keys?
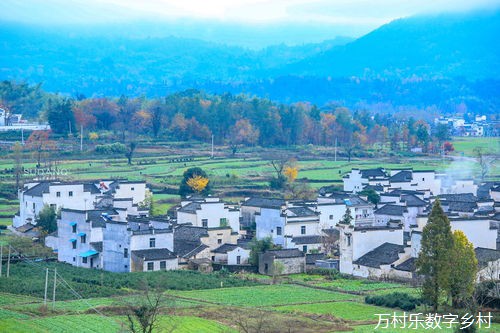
[
  {"x": 46, "y": 285},
  {"x": 22, "y": 136},
  {"x": 212, "y": 146},
  {"x": 54, "y": 290},
  {"x": 8, "y": 264},
  {"x": 335, "y": 149},
  {"x": 81, "y": 138}
]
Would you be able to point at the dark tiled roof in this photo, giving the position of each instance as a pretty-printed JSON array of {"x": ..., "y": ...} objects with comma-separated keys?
[
  {"x": 385, "y": 254},
  {"x": 187, "y": 249},
  {"x": 43, "y": 187},
  {"x": 400, "y": 192},
  {"x": 401, "y": 177},
  {"x": 225, "y": 248},
  {"x": 301, "y": 212},
  {"x": 25, "y": 227},
  {"x": 457, "y": 206},
  {"x": 264, "y": 202},
  {"x": 312, "y": 257},
  {"x": 97, "y": 246},
  {"x": 38, "y": 189},
  {"x": 91, "y": 188},
  {"x": 154, "y": 254},
  {"x": 98, "y": 217},
  {"x": 286, "y": 253},
  {"x": 463, "y": 197},
  {"x": 483, "y": 190},
  {"x": 485, "y": 255},
  {"x": 413, "y": 201},
  {"x": 407, "y": 266},
  {"x": 393, "y": 210},
  {"x": 313, "y": 239},
  {"x": 370, "y": 173},
  {"x": 191, "y": 207},
  {"x": 189, "y": 233},
  {"x": 244, "y": 243},
  {"x": 354, "y": 200},
  {"x": 376, "y": 188}
]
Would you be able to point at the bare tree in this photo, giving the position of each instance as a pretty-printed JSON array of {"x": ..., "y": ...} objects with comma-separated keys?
[
  {"x": 143, "y": 313},
  {"x": 484, "y": 161}
]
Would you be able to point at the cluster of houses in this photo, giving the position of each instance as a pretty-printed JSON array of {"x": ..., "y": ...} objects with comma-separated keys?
[
  {"x": 479, "y": 126},
  {"x": 11, "y": 121},
  {"x": 106, "y": 225}
]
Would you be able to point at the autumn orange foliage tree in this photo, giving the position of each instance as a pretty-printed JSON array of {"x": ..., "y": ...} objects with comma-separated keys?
[
  {"x": 39, "y": 142},
  {"x": 197, "y": 183}
]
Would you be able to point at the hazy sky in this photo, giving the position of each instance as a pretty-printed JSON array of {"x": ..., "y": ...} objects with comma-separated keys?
[{"x": 347, "y": 12}]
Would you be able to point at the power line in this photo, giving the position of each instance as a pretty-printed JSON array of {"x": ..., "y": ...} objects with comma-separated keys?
[{"x": 64, "y": 283}]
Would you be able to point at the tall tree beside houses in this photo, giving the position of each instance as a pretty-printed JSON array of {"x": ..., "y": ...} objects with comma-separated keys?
[
  {"x": 463, "y": 274},
  {"x": 191, "y": 173},
  {"x": 347, "y": 218},
  {"x": 433, "y": 262},
  {"x": 47, "y": 220}
]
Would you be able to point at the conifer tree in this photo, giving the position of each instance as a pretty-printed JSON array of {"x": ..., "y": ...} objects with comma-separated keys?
[{"x": 434, "y": 262}]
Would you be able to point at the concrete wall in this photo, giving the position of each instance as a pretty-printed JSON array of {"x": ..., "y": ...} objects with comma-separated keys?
[
  {"x": 137, "y": 191},
  {"x": 116, "y": 238},
  {"x": 66, "y": 253},
  {"x": 478, "y": 232},
  {"x": 232, "y": 256},
  {"x": 330, "y": 214},
  {"x": 266, "y": 224},
  {"x": 163, "y": 240}
]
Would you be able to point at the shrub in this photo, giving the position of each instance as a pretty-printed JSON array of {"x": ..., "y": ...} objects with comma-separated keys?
[
  {"x": 395, "y": 300},
  {"x": 113, "y": 148}
]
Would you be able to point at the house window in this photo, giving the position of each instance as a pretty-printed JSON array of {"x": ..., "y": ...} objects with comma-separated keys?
[
  {"x": 58, "y": 194},
  {"x": 163, "y": 265},
  {"x": 219, "y": 241},
  {"x": 223, "y": 222},
  {"x": 83, "y": 239},
  {"x": 213, "y": 258},
  {"x": 125, "y": 253},
  {"x": 152, "y": 242},
  {"x": 74, "y": 258},
  {"x": 423, "y": 179},
  {"x": 151, "y": 266},
  {"x": 34, "y": 206},
  {"x": 238, "y": 260},
  {"x": 348, "y": 240},
  {"x": 73, "y": 228},
  {"x": 132, "y": 188},
  {"x": 278, "y": 231},
  {"x": 73, "y": 243},
  {"x": 70, "y": 193},
  {"x": 304, "y": 248},
  {"x": 84, "y": 260},
  {"x": 331, "y": 217},
  {"x": 204, "y": 223},
  {"x": 303, "y": 230}
]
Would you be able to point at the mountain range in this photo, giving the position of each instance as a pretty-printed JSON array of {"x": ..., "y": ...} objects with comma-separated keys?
[{"x": 420, "y": 61}]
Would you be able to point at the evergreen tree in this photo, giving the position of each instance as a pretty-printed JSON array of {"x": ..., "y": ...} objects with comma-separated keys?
[
  {"x": 433, "y": 262},
  {"x": 347, "y": 218},
  {"x": 47, "y": 219},
  {"x": 463, "y": 274},
  {"x": 60, "y": 116}
]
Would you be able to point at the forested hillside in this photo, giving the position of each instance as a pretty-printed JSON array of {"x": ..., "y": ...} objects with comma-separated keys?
[{"x": 444, "y": 63}]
